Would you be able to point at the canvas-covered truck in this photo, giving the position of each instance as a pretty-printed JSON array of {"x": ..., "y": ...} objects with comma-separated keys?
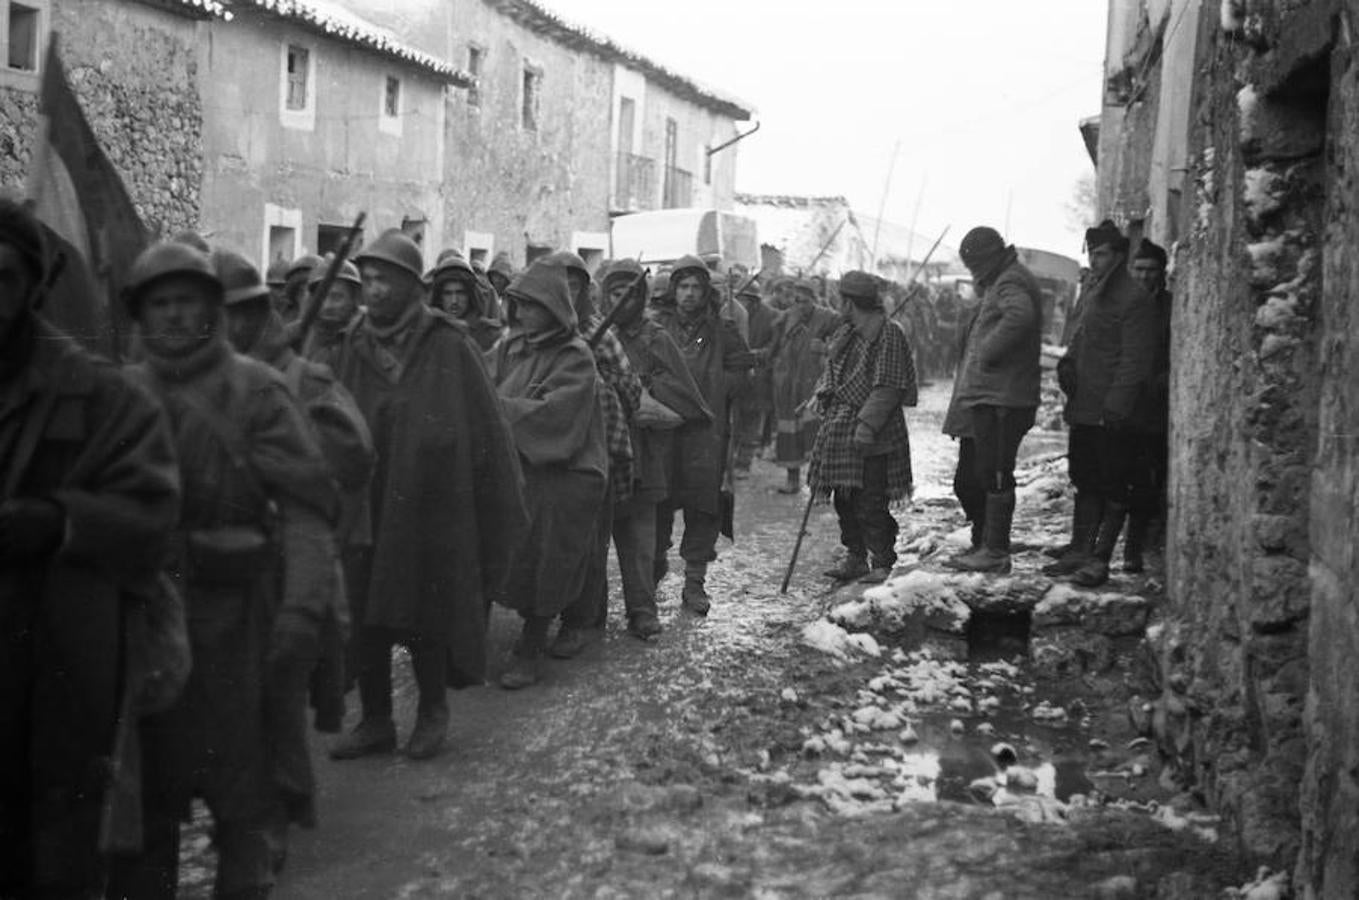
[{"x": 661, "y": 236}]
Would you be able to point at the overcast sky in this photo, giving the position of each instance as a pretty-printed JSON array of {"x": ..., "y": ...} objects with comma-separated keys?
[{"x": 984, "y": 96}]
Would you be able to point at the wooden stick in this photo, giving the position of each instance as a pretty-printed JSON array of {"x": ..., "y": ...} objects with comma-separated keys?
[{"x": 797, "y": 547}]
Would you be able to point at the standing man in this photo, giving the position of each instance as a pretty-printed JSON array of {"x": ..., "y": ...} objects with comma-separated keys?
[
  {"x": 1107, "y": 367},
  {"x": 862, "y": 456},
  {"x": 254, "y": 559},
  {"x": 995, "y": 394},
  {"x": 797, "y": 359},
  {"x": 90, "y": 498},
  {"x": 1147, "y": 501},
  {"x": 718, "y": 359},
  {"x": 755, "y": 406},
  {"x": 447, "y": 503}
]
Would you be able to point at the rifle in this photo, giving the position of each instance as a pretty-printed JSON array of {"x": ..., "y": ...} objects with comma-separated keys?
[
  {"x": 612, "y": 315},
  {"x": 797, "y": 547},
  {"x": 826, "y": 246},
  {"x": 916, "y": 274},
  {"x": 318, "y": 297}
]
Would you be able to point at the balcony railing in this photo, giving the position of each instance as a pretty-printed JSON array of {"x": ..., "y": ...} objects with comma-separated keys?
[
  {"x": 679, "y": 188},
  {"x": 635, "y": 184}
]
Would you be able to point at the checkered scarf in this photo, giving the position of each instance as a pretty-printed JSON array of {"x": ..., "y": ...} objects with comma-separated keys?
[{"x": 619, "y": 401}]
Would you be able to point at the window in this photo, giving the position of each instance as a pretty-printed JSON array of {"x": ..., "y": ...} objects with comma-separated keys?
[
  {"x": 475, "y": 55},
  {"x": 23, "y": 37},
  {"x": 282, "y": 233},
  {"x": 414, "y": 229},
  {"x": 391, "y": 98},
  {"x": 535, "y": 252},
  {"x": 297, "y": 87},
  {"x": 282, "y": 244},
  {"x": 330, "y": 238},
  {"x": 298, "y": 65},
  {"x": 533, "y": 82}
]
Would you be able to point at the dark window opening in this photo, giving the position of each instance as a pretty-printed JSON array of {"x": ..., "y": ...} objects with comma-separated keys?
[
  {"x": 533, "y": 79},
  {"x": 391, "y": 98},
  {"x": 298, "y": 59},
  {"x": 329, "y": 238},
  {"x": 477, "y": 256},
  {"x": 535, "y": 252},
  {"x": 23, "y": 38},
  {"x": 474, "y": 57}
]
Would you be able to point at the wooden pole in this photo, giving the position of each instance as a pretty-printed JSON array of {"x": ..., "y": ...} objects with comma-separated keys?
[{"x": 801, "y": 533}]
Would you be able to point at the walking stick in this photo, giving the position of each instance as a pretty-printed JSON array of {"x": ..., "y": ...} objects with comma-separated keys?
[{"x": 797, "y": 547}]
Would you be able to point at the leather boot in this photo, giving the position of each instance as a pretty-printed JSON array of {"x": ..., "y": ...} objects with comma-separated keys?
[
  {"x": 1135, "y": 542},
  {"x": 994, "y": 554},
  {"x": 854, "y": 567},
  {"x": 427, "y": 739},
  {"x": 695, "y": 597},
  {"x": 369, "y": 737},
  {"x": 1085, "y": 523},
  {"x": 1095, "y": 571},
  {"x": 793, "y": 485}
]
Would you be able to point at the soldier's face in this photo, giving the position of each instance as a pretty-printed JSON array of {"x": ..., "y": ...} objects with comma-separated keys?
[
  {"x": 245, "y": 323},
  {"x": 340, "y": 304},
  {"x": 177, "y": 315},
  {"x": 1149, "y": 274},
  {"x": 16, "y": 290},
  {"x": 533, "y": 317},
  {"x": 387, "y": 290},
  {"x": 690, "y": 294},
  {"x": 455, "y": 298},
  {"x": 632, "y": 305},
  {"x": 1103, "y": 259}
]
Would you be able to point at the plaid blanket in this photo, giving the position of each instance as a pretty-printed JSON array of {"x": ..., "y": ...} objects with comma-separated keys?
[
  {"x": 619, "y": 400},
  {"x": 857, "y": 363}
]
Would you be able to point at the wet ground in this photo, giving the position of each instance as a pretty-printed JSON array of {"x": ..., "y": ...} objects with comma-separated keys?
[{"x": 729, "y": 758}]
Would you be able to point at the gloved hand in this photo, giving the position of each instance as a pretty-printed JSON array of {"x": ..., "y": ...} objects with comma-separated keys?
[
  {"x": 863, "y": 435},
  {"x": 295, "y": 639},
  {"x": 29, "y": 528}
]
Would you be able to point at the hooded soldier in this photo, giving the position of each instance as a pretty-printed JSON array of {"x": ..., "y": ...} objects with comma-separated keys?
[
  {"x": 549, "y": 387},
  {"x": 797, "y": 358},
  {"x": 500, "y": 273},
  {"x": 995, "y": 395},
  {"x": 455, "y": 290},
  {"x": 1107, "y": 368},
  {"x": 718, "y": 359},
  {"x": 254, "y": 558},
  {"x": 447, "y": 477},
  {"x": 90, "y": 497}
]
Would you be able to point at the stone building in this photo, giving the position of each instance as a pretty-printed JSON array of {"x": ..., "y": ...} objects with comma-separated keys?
[{"x": 1229, "y": 132}]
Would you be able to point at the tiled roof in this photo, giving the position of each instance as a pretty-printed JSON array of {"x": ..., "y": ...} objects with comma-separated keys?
[
  {"x": 535, "y": 17},
  {"x": 201, "y": 9},
  {"x": 336, "y": 22}
]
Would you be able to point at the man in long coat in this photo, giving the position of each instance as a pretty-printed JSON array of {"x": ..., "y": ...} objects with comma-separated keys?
[
  {"x": 1107, "y": 368},
  {"x": 719, "y": 360},
  {"x": 1147, "y": 499},
  {"x": 447, "y": 499},
  {"x": 798, "y": 356},
  {"x": 996, "y": 393},
  {"x": 862, "y": 458},
  {"x": 254, "y": 558},
  {"x": 755, "y": 405},
  {"x": 90, "y": 496}
]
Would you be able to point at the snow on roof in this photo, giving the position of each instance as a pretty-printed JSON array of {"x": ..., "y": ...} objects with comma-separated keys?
[
  {"x": 331, "y": 20},
  {"x": 198, "y": 8},
  {"x": 536, "y": 17}
]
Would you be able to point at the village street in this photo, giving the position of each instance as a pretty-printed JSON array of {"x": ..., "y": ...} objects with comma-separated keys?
[{"x": 721, "y": 761}]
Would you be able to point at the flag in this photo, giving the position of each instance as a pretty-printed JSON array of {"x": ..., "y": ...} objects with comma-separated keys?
[{"x": 90, "y": 218}]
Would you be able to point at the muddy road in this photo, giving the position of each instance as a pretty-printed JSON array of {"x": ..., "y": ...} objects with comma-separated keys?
[{"x": 739, "y": 755}]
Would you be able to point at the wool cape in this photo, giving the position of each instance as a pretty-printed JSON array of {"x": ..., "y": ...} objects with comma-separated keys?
[
  {"x": 549, "y": 388},
  {"x": 797, "y": 366},
  {"x": 447, "y": 493}
]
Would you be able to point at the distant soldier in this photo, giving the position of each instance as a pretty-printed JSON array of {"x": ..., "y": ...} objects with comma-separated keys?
[
  {"x": 254, "y": 559},
  {"x": 862, "y": 457},
  {"x": 1147, "y": 499},
  {"x": 90, "y": 497},
  {"x": 797, "y": 359},
  {"x": 293, "y": 300},
  {"x": 338, "y": 308},
  {"x": 718, "y": 359},
  {"x": 500, "y": 274},
  {"x": 755, "y": 404},
  {"x": 1109, "y": 363},
  {"x": 995, "y": 395},
  {"x": 446, "y": 499},
  {"x": 456, "y": 290}
]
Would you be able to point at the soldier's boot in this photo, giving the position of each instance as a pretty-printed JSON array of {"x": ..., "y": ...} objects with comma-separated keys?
[
  {"x": 1095, "y": 570},
  {"x": 853, "y": 568},
  {"x": 644, "y": 624},
  {"x": 1135, "y": 543},
  {"x": 695, "y": 597},
  {"x": 369, "y": 737},
  {"x": 993, "y": 556},
  {"x": 431, "y": 728},
  {"x": 523, "y": 670},
  {"x": 793, "y": 484},
  {"x": 660, "y": 568},
  {"x": 978, "y": 529},
  {"x": 1085, "y": 525},
  {"x": 570, "y": 641}
]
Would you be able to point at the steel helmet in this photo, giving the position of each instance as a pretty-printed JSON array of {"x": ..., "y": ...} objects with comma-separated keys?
[
  {"x": 163, "y": 260},
  {"x": 348, "y": 272},
  {"x": 277, "y": 275},
  {"x": 303, "y": 264},
  {"x": 394, "y": 247},
  {"x": 240, "y": 279}
]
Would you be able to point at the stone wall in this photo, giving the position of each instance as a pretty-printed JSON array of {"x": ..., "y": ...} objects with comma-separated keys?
[{"x": 134, "y": 69}]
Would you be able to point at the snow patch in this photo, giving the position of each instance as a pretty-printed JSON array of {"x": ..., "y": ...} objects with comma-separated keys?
[
  {"x": 1266, "y": 886},
  {"x": 833, "y": 640},
  {"x": 929, "y": 594}
]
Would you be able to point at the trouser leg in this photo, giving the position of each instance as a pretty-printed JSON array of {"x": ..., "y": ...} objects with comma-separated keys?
[
  {"x": 16, "y": 723},
  {"x": 971, "y": 495},
  {"x": 326, "y": 684},
  {"x": 665, "y": 527},
  {"x": 871, "y": 507},
  {"x": 634, "y": 538},
  {"x": 701, "y": 530},
  {"x": 429, "y": 663},
  {"x": 358, "y": 571},
  {"x": 152, "y": 874},
  {"x": 375, "y": 672},
  {"x": 591, "y": 609},
  {"x": 243, "y": 861},
  {"x": 851, "y": 529},
  {"x": 285, "y": 716}
]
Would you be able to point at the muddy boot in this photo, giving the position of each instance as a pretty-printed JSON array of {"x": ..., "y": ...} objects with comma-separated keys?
[
  {"x": 1135, "y": 542},
  {"x": 794, "y": 483},
  {"x": 876, "y": 575},
  {"x": 427, "y": 739},
  {"x": 570, "y": 641},
  {"x": 523, "y": 670},
  {"x": 994, "y": 554},
  {"x": 853, "y": 568},
  {"x": 694, "y": 596},
  {"x": 369, "y": 737},
  {"x": 1095, "y": 571},
  {"x": 1085, "y": 523},
  {"x": 644, "y": 625}
]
